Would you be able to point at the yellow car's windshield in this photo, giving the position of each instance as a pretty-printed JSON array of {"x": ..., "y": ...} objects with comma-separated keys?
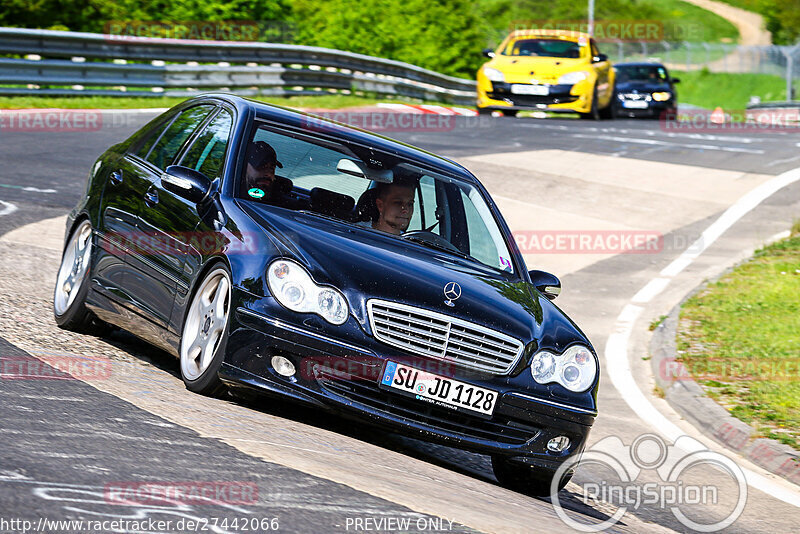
[{"x": 543, "y": 48}]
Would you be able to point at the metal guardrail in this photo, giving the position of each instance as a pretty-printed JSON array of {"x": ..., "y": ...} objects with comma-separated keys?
[{"x": 75, "y": 63}]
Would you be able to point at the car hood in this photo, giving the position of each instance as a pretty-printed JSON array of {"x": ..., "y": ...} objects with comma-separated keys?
[
  {"x": 543, "y": 69},
  {"x": 641, "y": 86},
  {"x": 365, "y": 264}
]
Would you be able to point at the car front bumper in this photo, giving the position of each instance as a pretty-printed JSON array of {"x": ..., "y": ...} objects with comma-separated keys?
[
  {"x": 344, "y": 378},
  {"x": 560, "y": 99}
]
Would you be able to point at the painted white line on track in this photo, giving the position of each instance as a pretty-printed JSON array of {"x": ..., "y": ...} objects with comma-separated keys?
[
  {"x": 7, "y": 208},
  {"x": 654, "y": 142},
  {"x": 616, "y": 351},
  {"x": 29, "y": 189}
]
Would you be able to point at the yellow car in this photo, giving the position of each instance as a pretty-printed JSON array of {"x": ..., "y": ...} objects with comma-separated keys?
[{"x": 547, "y": 70}]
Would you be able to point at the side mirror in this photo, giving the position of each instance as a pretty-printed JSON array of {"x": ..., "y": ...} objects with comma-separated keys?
[
  {"x": 676, "y": 80},
  {"x": 360, "y": 170},
  {"x": 599, "y": 58},
  {"x": 488, "y": 52},
  {"x": 548, "y": 284},
  {"x": 187, "y": 183}
]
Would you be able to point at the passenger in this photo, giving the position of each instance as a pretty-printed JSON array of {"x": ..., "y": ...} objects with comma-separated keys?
[
  {"x": 395, "y": 207},
  {"x": 259, "y": 179}
]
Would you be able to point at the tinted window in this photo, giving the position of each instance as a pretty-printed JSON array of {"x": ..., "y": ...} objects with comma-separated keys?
[
  {"x": 163, "y": 153},
  {"x": 207, "y": 153},
  {"x": 651, "y": 73},
  {"x": 544, "y": 48},
  {"x": 145, "y": 143}
]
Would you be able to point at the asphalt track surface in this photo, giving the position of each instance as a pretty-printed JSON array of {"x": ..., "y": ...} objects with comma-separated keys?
[{"x": 64, "y": 441}]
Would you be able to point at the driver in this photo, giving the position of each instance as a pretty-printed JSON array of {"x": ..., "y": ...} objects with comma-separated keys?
[
  {"x": 259, "y": 178},
  {"x": 395, "y": 206}
]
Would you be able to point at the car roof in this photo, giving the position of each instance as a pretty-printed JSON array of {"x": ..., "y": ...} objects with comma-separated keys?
[{"x": 302, "y": 120}]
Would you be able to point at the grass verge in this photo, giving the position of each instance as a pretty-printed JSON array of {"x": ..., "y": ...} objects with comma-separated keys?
[
  {"x": 740, "y": 339},
  {"x": 134, "y": 102},
  {"x": 731, "y": 91}
]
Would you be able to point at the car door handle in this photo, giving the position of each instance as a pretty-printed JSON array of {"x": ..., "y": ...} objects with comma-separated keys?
[
  {"x": 151, "y": 197},
  {"x": 116, "y": 177}
]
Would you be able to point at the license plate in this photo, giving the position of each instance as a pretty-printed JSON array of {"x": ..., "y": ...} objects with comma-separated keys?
[
  {"x": 538, "y": 90},
  {"x": 438, "y": 390},
  {"x": 635, "y": 104}
]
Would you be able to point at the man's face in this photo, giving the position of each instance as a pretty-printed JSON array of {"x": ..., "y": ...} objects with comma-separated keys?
[
  {"x": 395, "y": 208},
  {"x": 262, "y": 176}
]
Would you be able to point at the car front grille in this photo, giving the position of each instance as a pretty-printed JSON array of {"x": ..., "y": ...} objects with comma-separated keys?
[
  {"x": 443, "y": 337},
  {"x": 500, "y": 429}
]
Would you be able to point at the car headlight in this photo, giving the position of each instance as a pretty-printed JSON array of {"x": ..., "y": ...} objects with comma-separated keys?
[
  {"x": 571, "y": 78},
  {"x": 493, "y": 74},
  {"x": 662, "y": 96},
  {"x": 575, "y": 369},
  {"x": 293, "y": 287}
]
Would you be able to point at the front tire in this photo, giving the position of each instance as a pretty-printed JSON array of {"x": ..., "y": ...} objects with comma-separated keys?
[
  {"x": 72, "y": 282},
  {"x": 594, "y": 112},
  {"x": 205, "y": 333},
  {"x": 509, "y": 112},
  {"x": 524, "y": 478}
]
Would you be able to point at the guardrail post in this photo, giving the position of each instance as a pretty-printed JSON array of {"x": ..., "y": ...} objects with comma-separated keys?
[{"x": 788, "y": 52}]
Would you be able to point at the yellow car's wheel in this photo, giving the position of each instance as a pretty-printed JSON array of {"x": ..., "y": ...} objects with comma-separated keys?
[{"x": 594, "y": 112}]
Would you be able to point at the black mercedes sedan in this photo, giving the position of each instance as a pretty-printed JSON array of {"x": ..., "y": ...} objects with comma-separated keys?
[
  {"x": 280, "y": 252},
  {"x": 644, "y": 90}
]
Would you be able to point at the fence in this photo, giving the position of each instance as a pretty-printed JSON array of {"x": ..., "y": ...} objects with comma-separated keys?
[
  {"x": 716, "y": 57},
  {"x": 69, "y": 63}
]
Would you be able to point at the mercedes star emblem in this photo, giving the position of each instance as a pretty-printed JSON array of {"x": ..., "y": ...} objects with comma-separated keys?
[{"x": 452, "y": 291}]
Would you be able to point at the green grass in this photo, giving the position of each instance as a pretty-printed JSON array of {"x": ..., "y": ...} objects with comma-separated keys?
[
  {"x": 681, "y": 20},
  {"x": 125, "y": 102},
  {"x": 731, "y": 91},
  {"x": 745, "y": 331}
]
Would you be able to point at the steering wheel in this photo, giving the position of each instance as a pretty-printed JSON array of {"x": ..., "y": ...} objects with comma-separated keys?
[{"x": 430, "y": 237}]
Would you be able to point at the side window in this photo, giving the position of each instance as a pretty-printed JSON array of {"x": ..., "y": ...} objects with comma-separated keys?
[
  {"x": 595, "y": 50},
  {"x": 207, "y": 153},
  {"x": 164, "y": 151},
  {"x": 143, "y": 145}
]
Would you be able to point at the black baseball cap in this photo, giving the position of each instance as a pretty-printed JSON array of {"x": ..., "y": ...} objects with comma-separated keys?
[{"x": 261, "y": 152}]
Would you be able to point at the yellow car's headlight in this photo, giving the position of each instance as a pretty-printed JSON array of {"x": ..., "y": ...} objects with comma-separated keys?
[
  {"x": 571, "y": 78},
  {"x": 662, "y": 96},
  {"x": 493, "y": 74}
]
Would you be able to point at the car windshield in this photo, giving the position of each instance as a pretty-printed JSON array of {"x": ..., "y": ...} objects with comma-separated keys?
[
  {"x": 641, "y": 73},
  {"x": 543, "y": 48},
  {"x": 375, "y": 191}
]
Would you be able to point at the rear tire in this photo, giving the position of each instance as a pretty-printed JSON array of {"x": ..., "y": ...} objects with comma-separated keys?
[
  {"x": 484, "y": 111},
  {"x": 204, "y": 336},
  {"x": 509, "y": 112},
  {"x": 72, "y": 283},
  {"x": 524, "y": 478}
]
